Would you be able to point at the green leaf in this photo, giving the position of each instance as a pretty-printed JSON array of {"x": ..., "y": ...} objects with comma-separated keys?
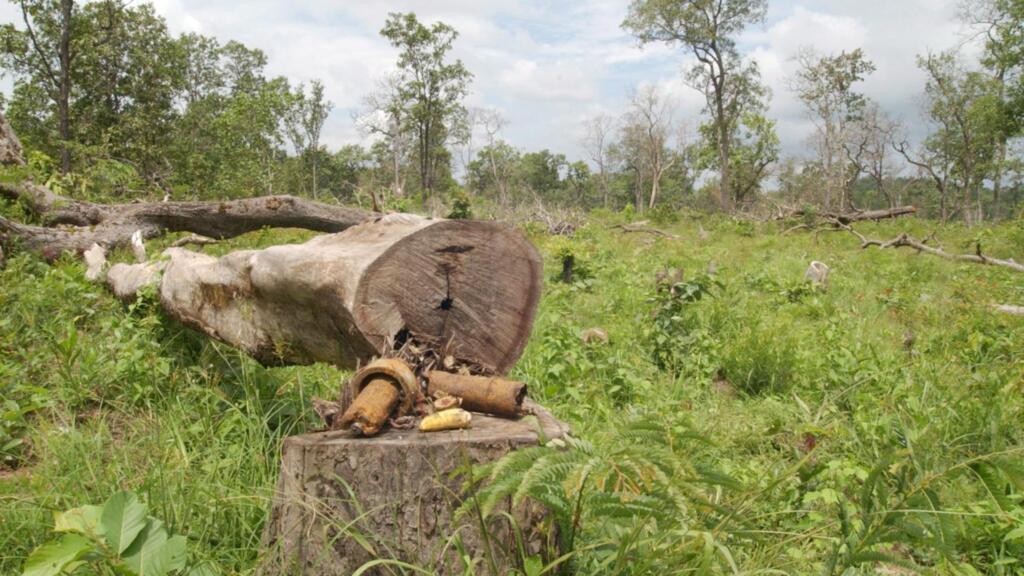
[
  {"x": 84, "y": 520},
  {"x": 122, "y": 519},
  {"x": 206, "y": 569},
  {"x": 52, "y": 558},
  {"x": 153, "y": 553}
]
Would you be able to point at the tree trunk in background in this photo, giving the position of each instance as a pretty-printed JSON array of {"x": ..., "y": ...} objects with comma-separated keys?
[
  {"x": 398, "y": 493},
  {"x": 64, "y": 91},
  {"x": 11, "y": 153}
]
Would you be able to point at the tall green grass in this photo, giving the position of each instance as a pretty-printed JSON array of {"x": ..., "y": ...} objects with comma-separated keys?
[{"x": 880, "y": 420}]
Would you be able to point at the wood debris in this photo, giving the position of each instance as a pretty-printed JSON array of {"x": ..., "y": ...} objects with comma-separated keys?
[{"x": 489, "y": 395}]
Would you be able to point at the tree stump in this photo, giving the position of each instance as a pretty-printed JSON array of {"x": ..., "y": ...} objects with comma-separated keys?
[{"x": 343, "y": 501}]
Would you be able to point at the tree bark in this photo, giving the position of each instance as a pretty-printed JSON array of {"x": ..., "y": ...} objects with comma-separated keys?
[
  {"x": 344, "y": 501},
  {"x": 468, "y": 289}
]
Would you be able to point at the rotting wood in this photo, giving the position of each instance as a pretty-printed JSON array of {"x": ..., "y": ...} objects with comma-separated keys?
[
  {"x": 73, "y": 226},
  {"x": 490, "y": 395},
  {"x": 194, "y": 240},
  {"x": 11, "y": 153},
  {"x": 849, "y": 217},
  {"x": 371, "y": 408}
]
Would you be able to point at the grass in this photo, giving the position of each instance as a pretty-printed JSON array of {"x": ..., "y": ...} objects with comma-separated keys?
[{"x": 800, "y": 394}]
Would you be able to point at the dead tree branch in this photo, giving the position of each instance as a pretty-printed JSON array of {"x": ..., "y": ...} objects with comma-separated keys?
[
  {"x": 643, "y": 228},
  {"x": 906, "y": 241}
]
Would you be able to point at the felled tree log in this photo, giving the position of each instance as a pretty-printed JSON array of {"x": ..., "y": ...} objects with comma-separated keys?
[
  {"x": 74, "y": 226},
  {"x": 851, "y": 217},
  {"x": 466, "y": 288},
  {"x": 343, "y": 501}
]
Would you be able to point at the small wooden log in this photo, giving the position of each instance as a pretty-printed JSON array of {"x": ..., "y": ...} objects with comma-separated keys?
[
  {"x": 485, "y": 394},
  {"x": 371, "y": 409},
  {"x": 343, "y": 501}
]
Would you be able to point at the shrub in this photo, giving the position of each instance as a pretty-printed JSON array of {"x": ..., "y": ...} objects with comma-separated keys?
[{"x": 461, "y": 206}]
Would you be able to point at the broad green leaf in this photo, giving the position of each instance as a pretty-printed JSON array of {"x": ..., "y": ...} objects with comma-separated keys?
[
  {"x": 52, "y": 558},
  {"x": 154, "y": 553},
  {"x": 122, "y": 519},
  {"x": 84, "y": 520},
  {"x": 1015, "y": 534},
  {"x": 204, "y": 570}
]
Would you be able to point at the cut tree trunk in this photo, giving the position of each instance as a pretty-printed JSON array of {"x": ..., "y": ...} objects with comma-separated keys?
[
  {"x": 343, "y": 501},
  {"x": 468, "y": 289}
]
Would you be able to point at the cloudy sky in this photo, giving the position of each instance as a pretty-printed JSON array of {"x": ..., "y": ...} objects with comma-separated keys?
[{"x": 549, "y": 64}]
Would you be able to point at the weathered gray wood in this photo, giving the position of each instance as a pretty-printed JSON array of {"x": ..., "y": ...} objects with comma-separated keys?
[
  {"x": 398, "y": 492},
  {"x": 468, "y": 289}
]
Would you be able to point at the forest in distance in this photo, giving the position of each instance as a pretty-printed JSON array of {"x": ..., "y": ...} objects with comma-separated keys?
[
  {"x": 773, "y": 357},
  {"x": 112, "y": 102}
]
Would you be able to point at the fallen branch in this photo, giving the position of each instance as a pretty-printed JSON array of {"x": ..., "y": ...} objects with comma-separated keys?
[
  {"x": 849, "y": 217},
  {"x": 905, "y": 240},
  {"x": 74, "y": 226},
  {"x": 1009, "y": 309},
  {"x": 193, "y": 239},
  {"x": 641, "y": 227}
]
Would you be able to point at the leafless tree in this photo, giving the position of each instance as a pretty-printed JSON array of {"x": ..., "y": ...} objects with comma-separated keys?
[
  {"x": 597, "y": 136},
  {"x": 652, "y": 114},
  {"x": 824, "y": 84},
  {"x": 869, "y": 149},
  {"x": 492, "y": 122},
  {"x": 383, "y": 114}
]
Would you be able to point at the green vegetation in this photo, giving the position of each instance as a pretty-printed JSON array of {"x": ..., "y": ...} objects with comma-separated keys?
[
  {"x": 737, "y": 419},
  {"x": 734, "y": 416}
]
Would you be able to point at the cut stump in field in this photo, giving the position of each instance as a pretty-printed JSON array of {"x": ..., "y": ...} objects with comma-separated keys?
[{"x": 343, "y": 501}]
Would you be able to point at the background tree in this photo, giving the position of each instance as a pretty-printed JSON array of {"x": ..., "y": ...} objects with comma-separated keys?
[
  {"x": 651, "y": 118},
  {"x": 965, "y": 110},
  {"x": 755, "y": 148},
  {"x": 597, "y": 137},
  {"x": 41, "y": 57},
  {"x": 384, "y": 115},
  {"x": 431, "y": 88},
  {"x": 305, "y": 121},
  {"x": 494, "y": 171},
  {"x": 825, "y": 85},
  {"x": 869, "y": 149},
  {"x": 708, "y": 28}
]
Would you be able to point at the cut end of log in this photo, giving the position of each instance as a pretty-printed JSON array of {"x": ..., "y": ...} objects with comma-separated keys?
[{"x": 469, "y": 288}]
